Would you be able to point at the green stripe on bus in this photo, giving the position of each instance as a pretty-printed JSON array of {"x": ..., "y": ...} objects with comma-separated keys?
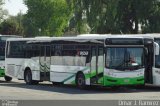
[
  {"x": 2, "y": 73},
  {"x": 44, "y": 67},
  {"x": 111, "y": 81}
]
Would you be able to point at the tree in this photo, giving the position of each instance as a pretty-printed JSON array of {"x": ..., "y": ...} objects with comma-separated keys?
[
  {"x": 29, "y": 29},
  {"x": 3, "y": 12},
  {"x": 132, "y": 13},
  {"x": 101, "y": 15},
  {"x": 48, "y": 17},
  {"x": 118, "y": 16},
  {"x": 10, "y": 27},
  {"x": 152, "y": 22}
]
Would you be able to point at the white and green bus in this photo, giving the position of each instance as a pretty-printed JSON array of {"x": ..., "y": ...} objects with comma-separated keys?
[
  {"x": 154, "y": 76},
  {"x": 153, "y": 68},
  {"x": 3, "y": 39},
  {"x": 93, "y": 60}
]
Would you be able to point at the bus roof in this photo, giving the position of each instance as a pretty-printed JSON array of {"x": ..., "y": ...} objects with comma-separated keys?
[
  {"x": 92, "y": 37},
  {"x": 9, "y": 35},
  {"x": 153, "y": 35}
]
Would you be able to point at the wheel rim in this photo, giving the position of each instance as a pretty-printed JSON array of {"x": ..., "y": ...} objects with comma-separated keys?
[{"x": 80, "y": 81}]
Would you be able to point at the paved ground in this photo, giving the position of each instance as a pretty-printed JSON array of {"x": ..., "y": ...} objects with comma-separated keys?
[{"x": 18, "y": 90}]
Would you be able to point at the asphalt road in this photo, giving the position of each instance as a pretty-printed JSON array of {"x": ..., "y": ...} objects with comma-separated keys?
[{"x": 18, "y": 90}]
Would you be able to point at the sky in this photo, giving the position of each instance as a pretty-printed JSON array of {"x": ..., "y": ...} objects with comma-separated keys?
[{"x": 15, "y": 6}]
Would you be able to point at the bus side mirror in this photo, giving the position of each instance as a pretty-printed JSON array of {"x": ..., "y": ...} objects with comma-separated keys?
[{"x": 156, "y": 48}]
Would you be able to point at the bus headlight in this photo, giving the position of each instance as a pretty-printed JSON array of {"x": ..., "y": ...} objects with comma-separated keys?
[
  {"x": 109, "y": 74},
  {"x": 140, "y": 74}
]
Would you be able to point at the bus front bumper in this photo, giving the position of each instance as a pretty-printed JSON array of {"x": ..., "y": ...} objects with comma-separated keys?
[{"x": 111, "y": 81}]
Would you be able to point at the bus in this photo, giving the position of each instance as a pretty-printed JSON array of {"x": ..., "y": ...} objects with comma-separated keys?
[
  {"x": 3, "y": 39},
  {"x": 101, "y": 60},
  {"x": 154, "y": 76}
]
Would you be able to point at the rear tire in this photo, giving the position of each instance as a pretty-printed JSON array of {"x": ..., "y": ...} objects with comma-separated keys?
[
  {"x": 80, "y": 81},
  {"x": 28, "y": 78},
  {"x": 7, "y": 78}
]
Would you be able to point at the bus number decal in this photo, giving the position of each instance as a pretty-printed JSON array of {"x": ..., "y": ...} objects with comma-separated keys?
[{"x": 83, "y": 53}]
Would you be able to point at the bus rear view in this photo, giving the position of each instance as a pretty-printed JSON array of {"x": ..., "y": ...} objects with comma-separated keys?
[{"x": 3, "y": 39}]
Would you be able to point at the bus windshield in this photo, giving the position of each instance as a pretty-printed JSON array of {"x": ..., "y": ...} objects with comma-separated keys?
[{"x": 124, "y": 58}]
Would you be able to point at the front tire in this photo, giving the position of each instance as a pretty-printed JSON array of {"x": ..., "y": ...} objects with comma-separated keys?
[
  {"x": 7, "y": 78},
  {"x": 80, "y": 81}
]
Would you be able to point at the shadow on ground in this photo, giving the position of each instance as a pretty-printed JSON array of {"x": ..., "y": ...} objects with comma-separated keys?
[{"x": 70, "y": 89}]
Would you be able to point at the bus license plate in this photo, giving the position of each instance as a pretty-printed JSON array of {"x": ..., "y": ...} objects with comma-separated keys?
[{"x": 126, "y": 80}]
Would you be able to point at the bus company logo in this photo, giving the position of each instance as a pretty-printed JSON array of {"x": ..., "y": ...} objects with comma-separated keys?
[
  {"x": 9, "y": 103},
  {"x": 83, "y": 53}
]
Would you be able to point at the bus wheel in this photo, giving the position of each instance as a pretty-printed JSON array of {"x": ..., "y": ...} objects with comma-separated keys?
[
  {"x": 7, "y": 78},
  {"x": 80, "y": 81},
  {"x": 28, "y": 77}
]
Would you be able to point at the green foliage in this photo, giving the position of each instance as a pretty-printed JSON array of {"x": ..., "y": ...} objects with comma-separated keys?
[
  {"x": 79, "y": 21},
  {"x": 98, "y": 14},
  {"x": 56, "y": 17},
  {"x": 152, "y": 22},
  {"x": 29, "y": 29},
  {"x": 132, "y": 13},
  {"x": 1, "y": 3},
  {"x": 118, "y": 16},
  {"x": 1, "y": 11},
  {"x": 48, "y": 17},
  {"x": 10, "y": 27}
]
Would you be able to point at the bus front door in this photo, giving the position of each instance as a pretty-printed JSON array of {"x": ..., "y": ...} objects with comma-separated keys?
[
  {"x": 97, "y": 65},
  {"x": 45, "y": 60}
]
